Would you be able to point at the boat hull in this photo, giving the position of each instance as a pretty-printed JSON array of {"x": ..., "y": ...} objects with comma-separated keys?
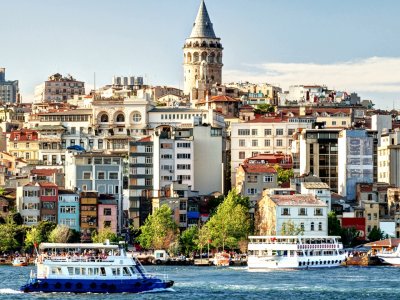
[
  {"x": 260, "y": 263},
  {"x": 393, "y": 260},
  {"x": 95, "y": 286}
]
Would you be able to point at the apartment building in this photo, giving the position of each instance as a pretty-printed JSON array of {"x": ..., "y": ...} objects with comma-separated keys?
[
  {"x": 389, "y": 157},
  {"x": 68, "y": 209},
  {"x": 28, "y": 203},
  {"x": 24, "y": 144}
]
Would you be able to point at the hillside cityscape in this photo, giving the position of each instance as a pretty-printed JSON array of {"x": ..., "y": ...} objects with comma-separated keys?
[{"x": 195, "y": 168}]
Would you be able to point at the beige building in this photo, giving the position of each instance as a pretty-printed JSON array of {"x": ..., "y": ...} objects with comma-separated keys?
[
  {"x": 389, "y": 157},
  {"x": 306, "y": 212},
  {"x": 394, "y": 207},
  {"x": 202, "y": 56}
]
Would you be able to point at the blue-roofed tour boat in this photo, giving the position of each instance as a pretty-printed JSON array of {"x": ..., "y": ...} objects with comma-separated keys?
[{"x": 94, "y": 268}]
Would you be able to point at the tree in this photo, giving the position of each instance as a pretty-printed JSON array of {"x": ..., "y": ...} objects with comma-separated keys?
[
  {"x": 103, "y": 235},
  {"x": 18, "y": 220},
  {"x": 376, "y": 234},
  {"x": 8, "y": 242},
  {"x": 289, "y": 228},
  {"x": 33, "y": 236},
  {"x": 334, "y": 227},
  {"x": 264, "y": 108},
  {"x": 284, "y": 175},
  {"x": 231, "y": 222},
  {"x": 188, "y": 239},
  {"x": 61, "y": 234},
  {"x": 349, "y": 236},
  {"x": 159, "y": 230}
]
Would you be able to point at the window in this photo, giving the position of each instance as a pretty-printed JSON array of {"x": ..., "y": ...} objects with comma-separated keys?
[
  {"x": 251, "y": 191},
  {"x": 242, "y": 155},
  {"x": 279, "y": 131},
  {"x": 113, "y": 175},
  {"x": 302, "y": 226},
  {"x": 183, "y": 166},
  {"x": 318, "y": 212},
  {"x": 290, "y": 132},
  {"x": 302, "y": 211},
  {"x": 312, "y": 226},
  {"x": 183, "y": 156},
  {"x": 268, "y": 178},
  {"x": 267, "y": 132},
  {"x": 149, "y": 159},
  {"x": 243, "y": 131},
  {"x": 101, "y": 175},
  {"x": 343, "y": 122},
  {"x": 27, "y": 145},
  {"x": 285, "y": 211},
  {"x": 87, "y": 175},
  {"x": 333, "y": 122},
  {"x": 279, "y": 143},
  {"x": 136, "y": 117},
  {"x": 183, "y": 145},
  {"x": 320, "y": 226},
  {"x": 183, "y": 177},
  {"x": 149, "y": 149},
  {"x": 254, "y": 132},
  {"x": 182, "y": 218},
  {"x": 107, "y": 211},
  {"x": 254, "y": 143},
  {"x": 242, "y": 143},
  {"x": 267, "y": 143},
  {"x": 252, "y": 178},
  {"x": 73, "y": 130}
]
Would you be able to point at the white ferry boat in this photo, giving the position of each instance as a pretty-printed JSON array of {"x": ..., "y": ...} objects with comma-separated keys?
[
  {"x": 292, "y": 252},
  {"x": 392, "y": 258},
  {"x": 95, "y": 268}
]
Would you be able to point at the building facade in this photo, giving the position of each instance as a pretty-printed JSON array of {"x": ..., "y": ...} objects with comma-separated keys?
[
  {"x": 68, "y": 209},
  {"x": 9, "y": 90}
]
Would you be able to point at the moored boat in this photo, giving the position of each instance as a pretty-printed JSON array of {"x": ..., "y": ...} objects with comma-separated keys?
[
  {"x": 20, "y": 261},
  {"x": 390, "y": 257},
  {"x": 293, "y": 252},
  {"x": 222, "y": 259},
  {"x": 96, "y": 268}
]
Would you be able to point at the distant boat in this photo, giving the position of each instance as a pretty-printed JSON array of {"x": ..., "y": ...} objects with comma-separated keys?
[
  {"x": 222, "y": 259},
  {"x": 293, "y": 252},
  {"x": 94, "y": 268},
  {"x": 20, "y": 261}
]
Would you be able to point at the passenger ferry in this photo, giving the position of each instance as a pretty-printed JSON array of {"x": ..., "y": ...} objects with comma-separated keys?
[
  {"x": 95, "y": 268},
  {"x": 293, "y": 252}
]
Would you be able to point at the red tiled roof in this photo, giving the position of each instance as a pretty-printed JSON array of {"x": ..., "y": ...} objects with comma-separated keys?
[
  {"x": 258, "y": 168},
  {"x": 47, "y": 184},
  {"x": 297, "y": 199},
  {"x": 384, "y": 243},
  {"x": 44, "y": 172},
  {"x": 219, "y": 98},
  {"x": 145, "y": 139},
  {"x": 246, "y": 107},
  {"x": 23, "y": 135}
]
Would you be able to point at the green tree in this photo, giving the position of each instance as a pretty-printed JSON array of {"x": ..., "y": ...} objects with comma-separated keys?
[
  {"x": 61, "y": 234},
  {"x": 45, "y": 228},
  {"x": 284, "y": 175},
  {"x": 376, "y": 234},
  {"x": 33, "y": 236},
  {"x": 159, "y": 230},
  {"x": 289, "y": 228},
  {"x": 349, "y": 236},
  {"x": 334, "y": 227},
  {"x": 231, "y": 222},
  {"x": 8, "y": 241},
  {"x": 105, "y": 234},
  {"x": 187, "y": 240},
  {"x": 264, "y": 108}
]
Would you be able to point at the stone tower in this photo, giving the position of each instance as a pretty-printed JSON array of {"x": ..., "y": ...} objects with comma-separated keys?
[{"x": 202, "y": 55}]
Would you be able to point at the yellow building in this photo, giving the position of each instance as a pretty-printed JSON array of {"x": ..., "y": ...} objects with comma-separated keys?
[{"x": 24, "y": 144}]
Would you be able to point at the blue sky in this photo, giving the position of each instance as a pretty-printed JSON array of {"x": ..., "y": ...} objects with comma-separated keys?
[{"x": 346, "y": 44}]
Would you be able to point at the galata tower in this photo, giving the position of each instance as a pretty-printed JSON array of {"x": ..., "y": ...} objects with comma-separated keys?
[{"x": 202, "y": 54}]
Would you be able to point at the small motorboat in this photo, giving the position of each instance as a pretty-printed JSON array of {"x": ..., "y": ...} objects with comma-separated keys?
[
  {"x": 20, "y": 261},
  {"x": 222, "y": 259}
]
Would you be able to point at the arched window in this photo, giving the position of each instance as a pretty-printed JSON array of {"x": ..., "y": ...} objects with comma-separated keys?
[
  {"x": 104, "y": 118},
  {"x": 120, "y": 118},
  {"x": 136, "y": 117},
  {"x": 204, "y": 44},
  {"x": 211, "y": 58},
  {"x": 312, "y": 226},
  {"x": 320, "y": 226},
  {"x": 204, "y": 56},
  {"x": 219, "y": 58},
  {"x": 196, "y": 57},
  {"x": 189, "y": 57}
]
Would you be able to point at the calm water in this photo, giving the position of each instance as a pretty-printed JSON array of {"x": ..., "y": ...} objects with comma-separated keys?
[{"x": 238, "y": 283}]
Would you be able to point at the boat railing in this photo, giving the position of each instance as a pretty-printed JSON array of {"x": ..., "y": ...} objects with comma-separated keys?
[
  {"x": 76, "y": 259},
  {"x": 156, "y": 275},
  {"x": 318, "y": 246}
]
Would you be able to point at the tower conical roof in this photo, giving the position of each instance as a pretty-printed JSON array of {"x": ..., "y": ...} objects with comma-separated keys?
[{"x": 202, "y": 26}]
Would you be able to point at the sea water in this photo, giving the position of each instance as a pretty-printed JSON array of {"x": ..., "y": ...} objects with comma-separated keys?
[{"x": 237, "y": 283}]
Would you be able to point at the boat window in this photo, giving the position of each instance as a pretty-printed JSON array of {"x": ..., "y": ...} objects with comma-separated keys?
[
  {"x": 95, "y": 271},
  {"x": 102, "y": 271},
  {"x": 132, "y": 270},
  {"x": 90, "y": 271},
  {"x": 264, "y": 252},
  {"x": 56, "y": 270},
  {"x": 77, "y": 271},
  {"x": 70, "y": 271},
  {"x": 83, "y": 271},
  {"x": 116, "y": 271},
  {"x": 125, "y": 271}
]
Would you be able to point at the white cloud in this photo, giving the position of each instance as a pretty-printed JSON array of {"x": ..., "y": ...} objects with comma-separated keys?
[{"x": 370, "y": 75}]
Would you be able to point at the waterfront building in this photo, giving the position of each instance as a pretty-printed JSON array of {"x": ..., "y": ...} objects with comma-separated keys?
[
  {"x": 58, "y": 89},
  {"x": 305, "y": 212},
  {"x": 68, "y": 209},
  {"x": 358, "y": 152},
  {"x": 253, "y": 178},
  {"x": 9, "y": 90},
  {"x": 107, "y": 213},
  {"x": 389, "y": 157},
  {"x": 91, "y": 171},
  {"x": 48, "y": 201},
  {"x": 393, "y": 195},
  {"x": 28, "y": 203},
  {"x": 24, "y": 144},
  {"x": 202, "y": 57},
  {"x": 319, "y": 190},
  {"x": 88, "y": 214},
  {"x": 264, "y": 134},
  {"x": 355, "y": 220}
]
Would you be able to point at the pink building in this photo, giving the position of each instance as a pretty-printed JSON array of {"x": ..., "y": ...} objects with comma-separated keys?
[{"x": 107, "y": 214}]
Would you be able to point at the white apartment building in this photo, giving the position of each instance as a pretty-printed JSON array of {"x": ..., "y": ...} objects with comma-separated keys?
[
  {"x": 58, "y": 89},
  {"x": 306, "y": 212},
  {"x": 319, "y": 190},
  {"x": 389, "y": 158},
  {"x": 28, "y": 203},
  {"x": 263, "y": 135}
]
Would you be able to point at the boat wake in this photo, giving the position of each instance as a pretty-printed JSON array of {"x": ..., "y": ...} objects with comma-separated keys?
[
  {"x": 10, "y": 291},
  {"x": 158, "y": 291}
]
